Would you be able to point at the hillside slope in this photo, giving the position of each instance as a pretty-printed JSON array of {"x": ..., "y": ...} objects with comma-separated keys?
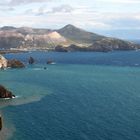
[{"x": 79, "y": 35}]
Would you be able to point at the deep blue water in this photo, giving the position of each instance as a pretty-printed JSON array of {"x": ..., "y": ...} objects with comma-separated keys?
[
  {"x": 84, "y": 96},
  {"x": 126, "y": 58}
]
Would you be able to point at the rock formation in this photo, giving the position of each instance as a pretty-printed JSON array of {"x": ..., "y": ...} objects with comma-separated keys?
[
  {"x": 15, "y": 64},
  {"x": 50, "y": 62},
  {"x": 3, "y": 62},
  {"x": 4, "y": 93},
  {"x": 31, "y": 60}
]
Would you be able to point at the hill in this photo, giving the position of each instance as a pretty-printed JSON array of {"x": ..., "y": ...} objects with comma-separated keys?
[{"x": 79, "y": 35}]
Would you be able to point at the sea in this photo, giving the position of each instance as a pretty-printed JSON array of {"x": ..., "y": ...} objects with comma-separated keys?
[{"x": 81, "y": 96}]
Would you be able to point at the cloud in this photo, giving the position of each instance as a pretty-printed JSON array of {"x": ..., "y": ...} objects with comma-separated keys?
[
  {"x": 88, "y": 20},
  {"x": 7, "y": 9},
  {"x": 62, "y": 8},
  {"x": 43, "y": 10},
  {"x": 18, "y": 2},
  {"x": 119, "y": 20},
  {"x": 82, "y": 16},
  {"x": 59, "y": 9},
  {"x": 121, "y": 1}
]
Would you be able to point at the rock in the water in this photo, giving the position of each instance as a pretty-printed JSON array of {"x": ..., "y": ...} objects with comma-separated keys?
[
  {"x": 15, "y": 64},
  {"x": 4, "y": 93},
  {"x": 31, "y": 60},
  {"x": 50, "y": 62},
  {"x": 3, "y": 62}
]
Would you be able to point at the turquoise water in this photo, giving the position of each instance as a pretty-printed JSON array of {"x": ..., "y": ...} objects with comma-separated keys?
[{"x": 84, "y": 96}]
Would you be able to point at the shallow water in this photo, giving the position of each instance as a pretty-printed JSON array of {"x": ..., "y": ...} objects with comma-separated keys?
[{"x": 84, "y": 96}]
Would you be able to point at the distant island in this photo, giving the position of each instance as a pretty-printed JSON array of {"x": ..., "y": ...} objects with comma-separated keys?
[{"x": 68, "y": 38}]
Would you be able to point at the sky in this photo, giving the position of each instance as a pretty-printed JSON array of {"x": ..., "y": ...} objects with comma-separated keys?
[{"x": 118, "y": 18}]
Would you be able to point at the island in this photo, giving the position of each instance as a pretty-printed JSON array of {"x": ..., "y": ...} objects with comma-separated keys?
[{"x": 69, "y": 38}]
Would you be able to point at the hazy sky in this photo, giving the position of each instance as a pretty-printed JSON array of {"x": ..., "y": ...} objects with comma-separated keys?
[{"x": 94, "y": 15}]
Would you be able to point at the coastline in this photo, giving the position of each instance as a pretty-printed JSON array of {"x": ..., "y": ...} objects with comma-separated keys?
[
  {"x": 63, "y": 50},
  {"x": 11, "y": 51}
]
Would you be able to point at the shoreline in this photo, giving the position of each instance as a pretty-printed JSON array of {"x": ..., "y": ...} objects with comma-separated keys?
[
  {"x": 2, "y": 52},
  {"x": 12, "y": 51}
]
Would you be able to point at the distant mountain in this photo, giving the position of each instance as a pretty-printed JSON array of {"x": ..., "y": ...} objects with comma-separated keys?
[
  {"x": 68, "y": 38},
  {"x": 8, "y": 28},
  {"x": 79, "y": 35}
]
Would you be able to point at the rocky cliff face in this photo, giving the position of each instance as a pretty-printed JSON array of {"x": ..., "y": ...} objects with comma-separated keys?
[
  {"x": 29, "y": 38},
  {"x": 3, "y": 62}
]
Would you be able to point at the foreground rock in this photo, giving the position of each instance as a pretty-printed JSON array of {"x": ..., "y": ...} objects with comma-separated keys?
[
  {"x": 4, "y": 93},
  {"x": 15, "y": 64}
]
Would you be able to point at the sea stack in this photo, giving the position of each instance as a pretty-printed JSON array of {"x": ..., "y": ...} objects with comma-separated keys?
[{"x": 31, "y": 60}]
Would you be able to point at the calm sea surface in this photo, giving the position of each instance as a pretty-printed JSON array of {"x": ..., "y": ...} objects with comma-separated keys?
[{"x": 83, "y": 96}]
